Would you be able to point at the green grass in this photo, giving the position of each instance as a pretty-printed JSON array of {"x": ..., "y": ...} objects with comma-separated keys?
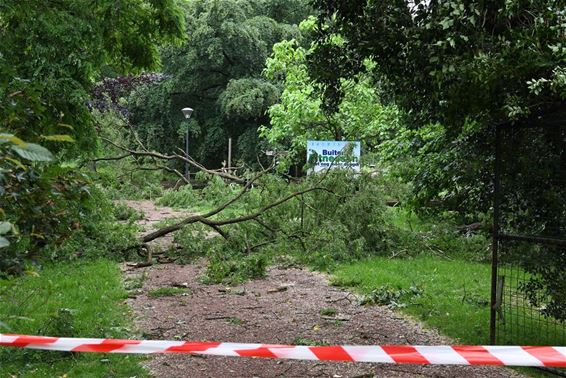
[
  {"x": 74, "y": 300},
  {"x": 455, "y": 294},
  {"x": 167, "y": 292},
  {"x": 450, "y": 295}
]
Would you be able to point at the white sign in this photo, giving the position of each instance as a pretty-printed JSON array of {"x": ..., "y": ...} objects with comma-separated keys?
[{"x": 333, "y": 154}]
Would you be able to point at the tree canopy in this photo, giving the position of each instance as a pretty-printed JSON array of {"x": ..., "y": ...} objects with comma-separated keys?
[
  {"x": 217, "y": 71},
  {"x": 298, "y": 116},
  {"x": 52, "y": 53},
  {"x": 449, "y": 61}
]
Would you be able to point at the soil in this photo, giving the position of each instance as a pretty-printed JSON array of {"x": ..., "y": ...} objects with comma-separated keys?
[{"x": 287, "y": 306}]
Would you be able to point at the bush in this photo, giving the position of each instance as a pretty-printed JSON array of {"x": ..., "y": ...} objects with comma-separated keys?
[
  {"x": 236, "y": 268},
  {"x": 47, "y": 205},
  {"x": 101, "y": 239},
  {"x": 135, "y": 185}
]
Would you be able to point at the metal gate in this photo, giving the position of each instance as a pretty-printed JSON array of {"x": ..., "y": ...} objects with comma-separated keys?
[{"x": 529, "y": 233}]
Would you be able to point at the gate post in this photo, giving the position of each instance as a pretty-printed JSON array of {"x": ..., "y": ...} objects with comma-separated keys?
[{"x": 495, "y": 235}]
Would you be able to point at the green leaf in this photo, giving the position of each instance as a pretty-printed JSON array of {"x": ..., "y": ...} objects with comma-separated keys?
[
  {"x": 11, "y": 138},
  {"x": 16, "y": 162},
  {"x": 446, "y": 23},
  {"x": 5, "y": 227},
  {"x": 58, "y": 138},
  {"x": 33, "y": 152},
  {"x": 4, "y": 242}
]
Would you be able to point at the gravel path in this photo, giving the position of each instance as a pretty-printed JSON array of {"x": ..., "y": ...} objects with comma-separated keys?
[{"x": 283, "y": 308}]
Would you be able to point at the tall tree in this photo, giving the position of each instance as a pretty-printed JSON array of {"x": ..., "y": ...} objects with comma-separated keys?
[
  {"x": 299, "y": 115},
  {"x": 218, "y": 73}
]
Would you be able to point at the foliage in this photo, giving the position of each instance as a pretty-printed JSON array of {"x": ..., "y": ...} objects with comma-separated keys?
[
  {"x": 467, "y": 65},
  {"x": 126, "y": 178},
  {"x": 299, "y": 115},
  {"x": 36, "y": 200},
  {"x": 391, "y": 297},
  {"x": 453, "y": 68},
  {"x": 123, "y": 212},
  {"x": 411, "y": 235},
  {"x": 66, "y": 300},
  {"x": 127, "y": 181},
  {"x": 319, "y": 228},
  {"x": 52, "y": 51},
  {"x": 10, "y": 164},
  {"x": 46, "y": 206},
  {"x": 445, "y": 173},
  {"x": 449, "y": 61},
  {"x": 184, "y": 197},
  {"x": 545, "y": 286},
  {"x": 532, "y": 203},
  {"x": 345, "y": 220},
  {"x": 110, "y": 94},
  {"x": 233, "y": 269},
  {"x": 54, "y": 211},
  {"x": 218, "y": 73},
  {"x": 99, "y": 236}
]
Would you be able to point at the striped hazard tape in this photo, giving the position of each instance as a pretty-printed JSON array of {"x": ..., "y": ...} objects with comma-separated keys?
[{"x": 400, "y": 354}]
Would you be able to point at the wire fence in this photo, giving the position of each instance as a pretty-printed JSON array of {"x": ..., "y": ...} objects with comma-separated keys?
[
  {"x": 529, "y": 234},
  {"x": 520, "y": 319}
]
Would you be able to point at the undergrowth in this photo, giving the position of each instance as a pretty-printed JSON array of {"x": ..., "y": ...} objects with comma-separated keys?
[
  {"x": 123, "y": 212},
  {"x": 346, "y": 221},
  {"x": 126, "y": 182}
]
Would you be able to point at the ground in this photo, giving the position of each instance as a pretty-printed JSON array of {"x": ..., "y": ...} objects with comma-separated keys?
[{"x": 288, "y": 306}]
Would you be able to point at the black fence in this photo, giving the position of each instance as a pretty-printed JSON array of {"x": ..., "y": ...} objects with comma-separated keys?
[{"x": 528, "y": 300}]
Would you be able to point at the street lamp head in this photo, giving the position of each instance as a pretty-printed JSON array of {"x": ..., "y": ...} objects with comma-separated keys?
[{"x": 187, "y": 112}]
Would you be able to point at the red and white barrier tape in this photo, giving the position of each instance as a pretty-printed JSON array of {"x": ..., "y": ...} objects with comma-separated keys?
[{"x": 400, "y": 354}]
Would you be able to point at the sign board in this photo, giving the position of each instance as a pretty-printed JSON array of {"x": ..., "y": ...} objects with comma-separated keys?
[{"x": 333, "y": 154}]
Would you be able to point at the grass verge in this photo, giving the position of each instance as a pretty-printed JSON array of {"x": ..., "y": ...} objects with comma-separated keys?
[
  {"x": 74, "y": 300},
  {"x": 450, "y": 295},
  {"x": 453, "y": 295}
]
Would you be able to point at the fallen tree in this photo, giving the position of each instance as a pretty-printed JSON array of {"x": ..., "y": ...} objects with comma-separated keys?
[
  {"x": 322, "y": 219},
  {"x": 208, "y": 217}
]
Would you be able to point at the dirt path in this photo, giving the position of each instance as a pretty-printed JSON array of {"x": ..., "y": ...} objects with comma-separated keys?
[
  {"x": 283, "y": 308},
  {"x": 152, "y": 216}
]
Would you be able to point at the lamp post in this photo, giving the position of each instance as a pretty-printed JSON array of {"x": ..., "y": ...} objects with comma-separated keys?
[{"x": 187, "y": 113}]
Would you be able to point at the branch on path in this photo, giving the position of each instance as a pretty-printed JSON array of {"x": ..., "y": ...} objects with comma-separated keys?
[
  {"x": 157, "y": 160},
  {"x": 215, "y": 223},
  {"x": 169, "y": 157}
]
